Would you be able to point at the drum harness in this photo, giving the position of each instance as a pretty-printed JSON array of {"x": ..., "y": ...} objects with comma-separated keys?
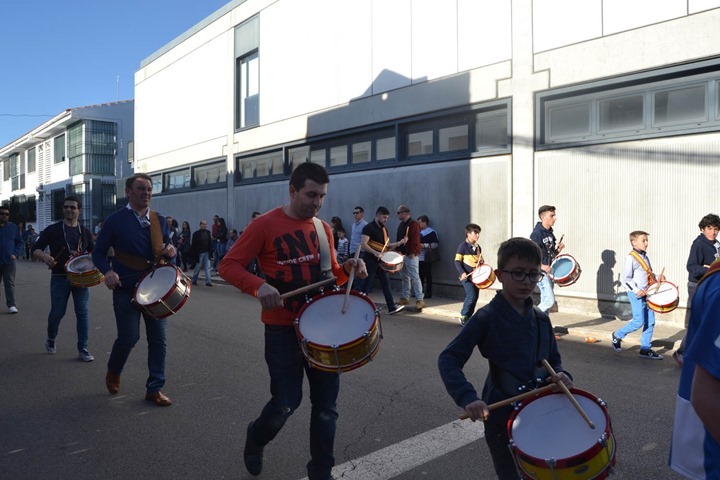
[{"x": 138, "y": 263}]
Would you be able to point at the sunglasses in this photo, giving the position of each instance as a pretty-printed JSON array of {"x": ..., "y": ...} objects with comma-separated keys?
[
  {"x": 70, "y": 207},
  {"x": 403, "y": 211},
  {"x": 5, "y": 214},
  {"x": 357, "y": 213}
]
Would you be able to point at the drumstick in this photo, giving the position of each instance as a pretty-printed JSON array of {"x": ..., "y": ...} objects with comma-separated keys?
[
  {"x": 569, "y": 395},
  {"x": 516, "y": 398},
  {"x": 292, "y": 293},
  {"x": 561, "y": 238},
  {"x": 385, "y": 246},
  {"x": 350, "y": 282},
  {"x": 662, "y": 273}
]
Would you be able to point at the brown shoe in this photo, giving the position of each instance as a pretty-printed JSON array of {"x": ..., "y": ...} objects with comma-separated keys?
[
  {"x": 420, "y": 304},
  {"x": 158, "y": 398},
  {"x": 112, "y": 382}
]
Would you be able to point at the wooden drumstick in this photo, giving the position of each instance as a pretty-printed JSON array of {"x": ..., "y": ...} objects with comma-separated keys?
[
  {"x": 385, "y": 246},
  {"x": 304, "y": 289},
  {"x": 561, "y": 238},
  {"x": 516, "y": 398},
  {"x": 565, "y": 389},
  {"x": 350, "y": 282}
]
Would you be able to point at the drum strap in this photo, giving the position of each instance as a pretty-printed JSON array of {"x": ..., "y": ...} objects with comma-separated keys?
[
  {"x": 324, "y": 245},
  {"x": 136, "y": 262},
  {"x": 714, "y": 268},
  {"x": 644, "y": 266}
]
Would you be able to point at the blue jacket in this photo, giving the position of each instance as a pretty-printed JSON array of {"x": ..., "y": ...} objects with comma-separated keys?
[
  {"x": 545, "y": 238},
  {"x": 10, "y": 243},
  {"x": 702, "y": 252}
]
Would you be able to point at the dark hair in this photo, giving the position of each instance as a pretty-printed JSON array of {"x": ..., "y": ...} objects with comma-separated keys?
[
  {"x": 131, "y": 179},
  {"x": 472, "y": 227},
  {"x": 174, "y": 223},
  {"x": 340, "y": 229},
  {"x": 382, "y": 211},
  {"x": 336, "y": 221},
  {"x": 73, "y": 198},
  {"x": 545, "y": 208},
  {"x": 255, "y": 214},
  {"x": 308, "y": 171},
  {"x": 519, "y": 247},
  {"x": 709, "y": 220},
  {"x": 360, "y": 208},
  {"x": 4, "y": 207},
  {"x": 221, "y": 221},
  {"x": 424, "y": 219},
  {"x": 186, "y": 223}
]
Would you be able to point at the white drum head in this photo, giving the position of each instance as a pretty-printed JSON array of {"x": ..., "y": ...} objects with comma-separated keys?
[
  {"x": 664, "y": 293},
  {"x": 481, "y": 273},
  {"x": 323, "y": 323},
  {"x": 391, "y": 258},
  {"x": 81, "y": 264},
  {"x": 156, "y": 285},
  {"x": 563, "y": 266},
  {"x": 554, "y": 413}
]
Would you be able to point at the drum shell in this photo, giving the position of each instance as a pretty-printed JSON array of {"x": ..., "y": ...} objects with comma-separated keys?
[
  {"x": 389, "y": 263},
  {"x": 667, "y": 307},
  {"x": 89, "y": 278},
  {"x": 572, "y": 277},
  {"x": 346, "y": 356},
  {"x": 487, "y": 282},
  {"x": 171, "y": 301},
  {"x": 595, "y": 462}
]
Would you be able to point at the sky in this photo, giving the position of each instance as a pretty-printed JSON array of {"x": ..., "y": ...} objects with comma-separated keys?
[{"x": 60, "y": 54}]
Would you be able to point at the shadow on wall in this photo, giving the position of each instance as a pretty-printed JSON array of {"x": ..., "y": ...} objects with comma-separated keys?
[{"x": 612, "y": 300}]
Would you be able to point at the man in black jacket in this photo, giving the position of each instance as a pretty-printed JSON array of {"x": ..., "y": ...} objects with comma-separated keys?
[{"x": 201, "y": 245}]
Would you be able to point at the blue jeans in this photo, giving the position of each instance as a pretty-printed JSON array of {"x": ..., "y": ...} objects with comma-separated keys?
[
  {"x": 411, "y": 277},
  {"x": 60, "y": 290},
  {"x": 471, "y": 297},
  {"x": 7, "y": 276},
  {"x": 373, "y": 268},
  {"x": 643, "y": 317},
  {"x": 127, "y": 319},
  {"x": 547, "y": 296},
  {"x": 286, "y": 365},
  {"x": 220, "y": 251},
  {"x": 203, "y": 262}
]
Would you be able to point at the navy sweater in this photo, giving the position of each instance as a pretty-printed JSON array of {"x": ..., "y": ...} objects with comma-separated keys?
[{"x": 702, "y": 252}]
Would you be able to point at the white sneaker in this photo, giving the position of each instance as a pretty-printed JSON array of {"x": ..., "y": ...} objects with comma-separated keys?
[{"x": 13, "y": 309}]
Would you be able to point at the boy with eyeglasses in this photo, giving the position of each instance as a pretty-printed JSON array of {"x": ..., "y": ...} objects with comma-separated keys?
[
  {"x": 12, "y": 246},
  {"x": 514, "y": 336}
]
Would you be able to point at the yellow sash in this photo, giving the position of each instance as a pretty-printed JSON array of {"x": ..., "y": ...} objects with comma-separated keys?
[{"x": 644, "y": 266}]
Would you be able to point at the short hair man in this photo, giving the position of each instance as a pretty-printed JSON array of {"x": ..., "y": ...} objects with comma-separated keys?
[
  {"x": 408, "y": 237},
  {"x": 359, "y": 223},
  {"x": 544, "y": 236},
  {"x": 12, "y": 246}
]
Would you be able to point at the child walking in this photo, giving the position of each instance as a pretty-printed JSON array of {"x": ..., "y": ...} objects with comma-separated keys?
[{"x": 637, "y": 276}]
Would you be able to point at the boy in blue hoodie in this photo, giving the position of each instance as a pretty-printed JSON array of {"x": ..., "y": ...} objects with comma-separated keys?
[{"x": 545, "y": 238}]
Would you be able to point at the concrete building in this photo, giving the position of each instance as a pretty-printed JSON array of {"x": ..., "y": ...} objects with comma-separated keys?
[
  {"x": 82, "y": 151},
  {"x": 466, "y": 111}
]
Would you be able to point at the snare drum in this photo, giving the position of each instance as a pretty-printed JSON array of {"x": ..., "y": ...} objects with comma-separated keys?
[
  {"x": 663, "y": 297},
  {"x": 483, "y": 276},
  {"x": 333, "y": 341},
  {"x": 162, "y": 292},
  {"x": 573, "y": 450},
  {"x": 565, "y": 270},
  {"x": 81, "y": 272},
  {"x": 391, "y": 262}
]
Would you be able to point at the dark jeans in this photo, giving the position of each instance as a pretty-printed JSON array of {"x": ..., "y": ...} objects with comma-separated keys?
[
  {"x": 497, "y": 440},
  {"x": 286, "y": 365},
  {"x": 127, "y": 318},
  {"x": 373, "y": 268},
  {"x": 471, "y": 297},
  {"x": 426, "y": 278},
  {"x": 7, "y": 275},
  {"x": 60, "y": 291}
]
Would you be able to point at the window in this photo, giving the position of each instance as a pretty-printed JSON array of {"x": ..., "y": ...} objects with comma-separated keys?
[
  {"x": 259, "y": 166},
  {"x": 675, "y": 100},
  {"x": 680, "y": 105},
  {"x": 385, "y": 148},
  {"x": 75, "y": 147},
  {"x": 361, "y": 152},
  {"x": 6, "y": 169},
  {"x": 59, "y": 149},
  {"x": 420, "y": 143},
  {"x": 625, "y": 113},
  {"x": 131, "y": 152},
  {"x": 17, "y": 172},
  {"x": 58, "y": 200},
  {"x": 156, "y": 183},
  {"x": 318, "y": 156},
  {"x": 213, "y": 174},
  {"x": 31, "y": 162},
  {"x": 108, "y": 199},
  {"x": 453, "y": 138},
  {"x": 298, "y": 155},
  {"x": 247, "y": 74},
  {"x": 100, "y": 147},
  {"x": 177, "y": 180},
  {"x": 491, "y": 130}
]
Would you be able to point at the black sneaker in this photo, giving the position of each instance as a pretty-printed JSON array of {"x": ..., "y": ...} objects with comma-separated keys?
[
  {"x": 463, "y": 320},
  {"x": 616, "y": 343},
  {"x": 395, "y": 310},
  {"x": 650, "y": 355},
  {"x": 253, "y": 454}
]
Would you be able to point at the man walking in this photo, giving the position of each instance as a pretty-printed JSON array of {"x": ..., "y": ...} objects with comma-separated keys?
[
  {"x": 11, "y": 247},
  {"x": 356, "y": 231},
  {"x": 201, "y": 245},
  {"x": 408, "y": 238}
]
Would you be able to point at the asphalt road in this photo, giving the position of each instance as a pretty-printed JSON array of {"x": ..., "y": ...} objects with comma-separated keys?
[{"x": 57, "y": 420}]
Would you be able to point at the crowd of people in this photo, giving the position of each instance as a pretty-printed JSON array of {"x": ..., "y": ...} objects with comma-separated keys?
[{"x": 289, "y": 249}]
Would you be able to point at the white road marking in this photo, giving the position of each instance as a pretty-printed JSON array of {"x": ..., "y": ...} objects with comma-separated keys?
[{"x": 396, "y": 459}]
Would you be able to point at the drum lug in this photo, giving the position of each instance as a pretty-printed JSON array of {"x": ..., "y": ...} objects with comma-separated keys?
[
  {"x": 552, "y": 463},
  {"x": 337, "y": 359}
]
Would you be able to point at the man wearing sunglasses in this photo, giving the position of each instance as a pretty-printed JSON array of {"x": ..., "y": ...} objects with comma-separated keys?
[
  {"x": 66, "y": 239},
  {"x": 12, "y": 245},
  {"x": 359, "y": 223}
]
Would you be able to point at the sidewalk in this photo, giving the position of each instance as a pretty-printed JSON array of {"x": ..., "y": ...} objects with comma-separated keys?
[{"x": 573, "y": 326}]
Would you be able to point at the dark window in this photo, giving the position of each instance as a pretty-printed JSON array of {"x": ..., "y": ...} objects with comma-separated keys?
[
  {"x": 247, "y": 74},
  {"x": 59, "y": 148}
]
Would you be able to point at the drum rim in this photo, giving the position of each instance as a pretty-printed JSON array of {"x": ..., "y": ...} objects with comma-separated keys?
[
  {"x": 571, "y": 461},
  {"x": 307, "y": 305},
  {"x": 178, "y": 275}
]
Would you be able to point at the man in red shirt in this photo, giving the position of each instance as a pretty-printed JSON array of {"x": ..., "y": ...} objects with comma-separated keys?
[
  {"x": 286, "y": 245},
  {"x": 408, "y": 237}
]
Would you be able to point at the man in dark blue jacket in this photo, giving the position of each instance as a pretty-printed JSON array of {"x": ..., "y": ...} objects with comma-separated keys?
[
  {"x": 545, "y": 238},
  {"x": 11, "y": 246}
]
